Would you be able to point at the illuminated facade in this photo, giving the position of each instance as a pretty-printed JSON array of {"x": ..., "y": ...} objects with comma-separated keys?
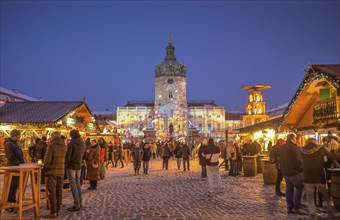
[{"x": 170, "y": 113}]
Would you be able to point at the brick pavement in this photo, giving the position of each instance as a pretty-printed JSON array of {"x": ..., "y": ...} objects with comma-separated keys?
[{"x": 173, "y": 194}]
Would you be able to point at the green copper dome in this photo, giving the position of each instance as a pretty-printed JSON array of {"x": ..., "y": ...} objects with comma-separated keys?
[{"x": 170, "y": 67}]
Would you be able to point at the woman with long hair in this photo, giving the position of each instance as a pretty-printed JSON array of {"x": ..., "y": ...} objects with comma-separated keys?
[{"x": 93, "y": 164}]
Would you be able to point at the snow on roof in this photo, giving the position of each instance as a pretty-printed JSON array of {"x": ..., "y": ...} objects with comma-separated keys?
[
  {"x": 16, "y": 94},
  {"x": 103, "y": 112},
  {"x": 283, "y": 106}
]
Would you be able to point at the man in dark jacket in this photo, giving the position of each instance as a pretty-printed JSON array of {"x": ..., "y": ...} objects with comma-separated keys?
[
  {"x": 118, "y": 155},
  {"x": 253, "y": 149},
  {"x": 314, "y": 161},
  {"x": 54, "y": 167},
  {"x": 32, "y": 150},
  {"x": 178, "y": 154},
  {"x": 146, "y": 158},
  {"x": 274, "y": 157},
  {"x": 186, "y": 156},
  {"x": 41, "y": 149},
  {"x": 292, "y": 170},
  {"x": 73, "y": 163},
  {"x": 14, "y": 157},
  {"x": 137, "y": 156}
]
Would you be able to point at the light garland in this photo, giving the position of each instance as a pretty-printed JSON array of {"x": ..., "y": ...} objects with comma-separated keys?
[{"x": 309, "y": 78}]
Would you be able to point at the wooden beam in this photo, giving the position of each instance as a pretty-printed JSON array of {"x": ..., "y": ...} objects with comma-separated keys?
[{"x": 311, "y": 105}]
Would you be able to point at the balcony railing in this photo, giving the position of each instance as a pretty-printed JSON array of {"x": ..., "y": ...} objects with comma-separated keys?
[{"x": 325, "y": 110}]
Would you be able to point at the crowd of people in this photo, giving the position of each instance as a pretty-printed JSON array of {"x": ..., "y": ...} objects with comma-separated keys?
[
  {"x": 62, "y": 159},
  {"x": 305, "y": 171},
  {"x": 304, "y": 168}
]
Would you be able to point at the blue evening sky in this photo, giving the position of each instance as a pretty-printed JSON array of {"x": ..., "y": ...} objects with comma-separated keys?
[{"x": 107, "y": 50}]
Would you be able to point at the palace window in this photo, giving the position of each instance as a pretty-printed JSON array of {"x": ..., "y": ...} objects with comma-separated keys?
[{"x": 200, "y": 126}]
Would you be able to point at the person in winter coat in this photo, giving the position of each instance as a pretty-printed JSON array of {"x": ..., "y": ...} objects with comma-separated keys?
[
  {"x": 186, "y": 157},
  {"x": 110, "y": 155},
  {"x": 292, "y": 170},
  {"x": 230, "y": 155},
  {"x": 238, "y": 159},
  {"x": 246, "y": 147},
  {"x": 119, "y": 155},
  {"x": 103, "y": 157},
  {"x": 32, "y": 150},
  {"x": 335, "y": 152},
  {"x": 202, "y": 159},
  {"x": 14, "y": 157},
  {"x": 165, "y": 155},
  {"x": 258, "y": 147},
  {"x": 137, "y": 155},
  {"x": 314, "y": 159},
  {"x": 178, "y": 154},
  {"x": 93, "y": 165},
  {"x": 153, "y": 147},
  {"x": 253, "y": 149},
  {"x": 274, "y": 157},
  {"x": 146, "y": 158},
  {"x": 73, "y": 163},
  {"x": 233, "y": 160},
  {"x": 54, "y": 167},
  {"x": 41, "y": 151},
  {"x": 211, "y": 154}
]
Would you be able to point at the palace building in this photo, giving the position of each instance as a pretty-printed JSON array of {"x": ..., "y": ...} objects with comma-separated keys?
[{"x": 170, "y": 113}]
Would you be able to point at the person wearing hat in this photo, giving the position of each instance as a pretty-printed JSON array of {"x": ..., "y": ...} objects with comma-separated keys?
[
  {"x": 73, "y": 163},
  {"x": 14, "y": 157}
]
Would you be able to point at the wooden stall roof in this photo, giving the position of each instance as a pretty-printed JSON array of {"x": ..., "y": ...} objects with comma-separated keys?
[
  {"x": 307, "y": 94},
  {"x": 271, "y": 124},
  {"x": 41, "y": 112}
]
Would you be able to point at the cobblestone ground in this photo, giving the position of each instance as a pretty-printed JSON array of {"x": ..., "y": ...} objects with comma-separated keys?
[{"x": 172, "y": 194}]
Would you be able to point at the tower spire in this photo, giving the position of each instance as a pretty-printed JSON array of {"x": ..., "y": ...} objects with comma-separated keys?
[
  {"x": 170, "y": 50},
  {"x": 170, "y": 37}
]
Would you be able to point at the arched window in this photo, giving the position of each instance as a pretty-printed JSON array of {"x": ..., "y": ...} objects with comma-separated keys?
[
  {"x": 257, "y": 98},
  {"x": 249, "y": 109},
  {"x": 250, "y": 98},
  {"x": 259, "y": 109}
]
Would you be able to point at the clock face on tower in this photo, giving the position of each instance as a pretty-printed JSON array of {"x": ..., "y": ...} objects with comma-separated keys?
[{"x": 170, "y": 81}]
